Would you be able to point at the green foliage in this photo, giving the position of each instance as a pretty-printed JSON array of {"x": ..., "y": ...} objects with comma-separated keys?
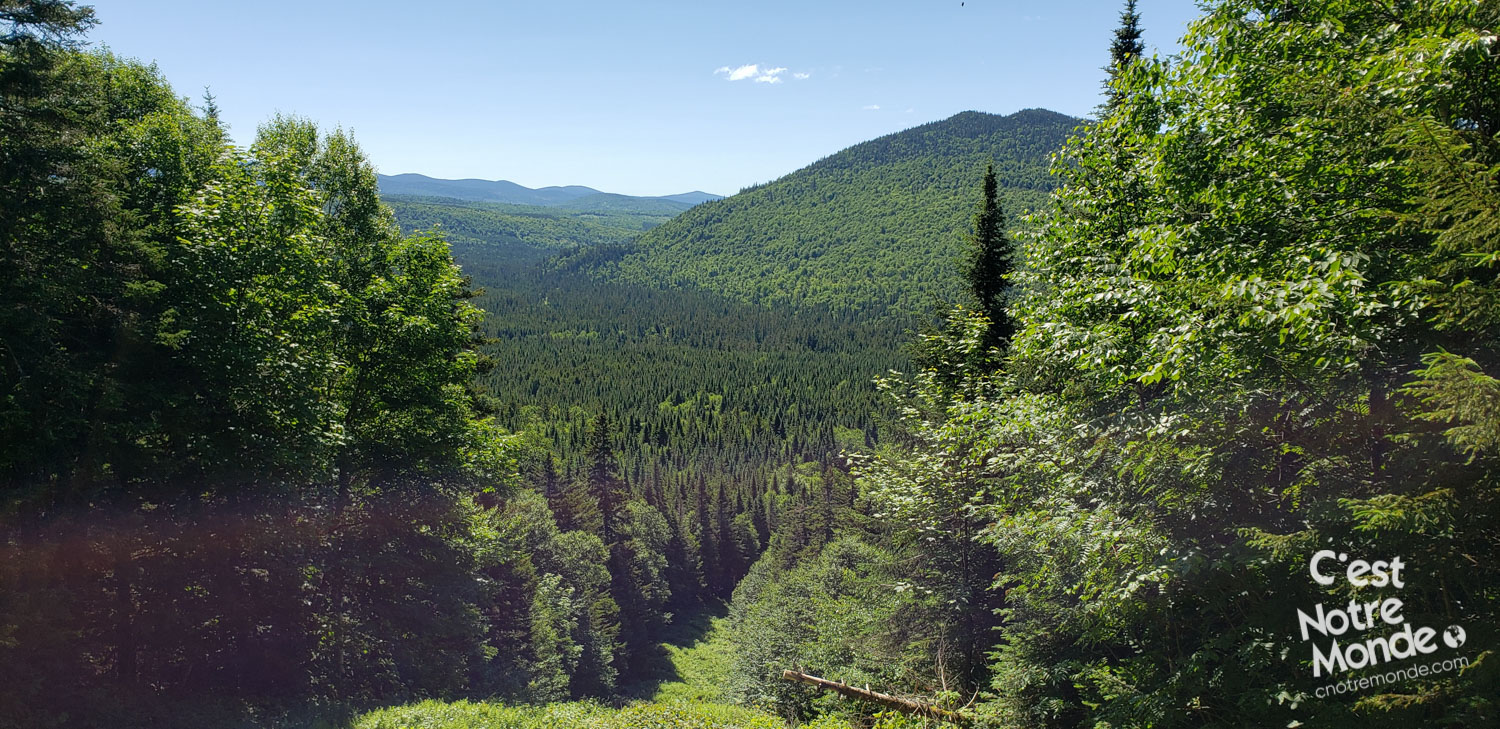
[
  {"x": 35, "y": 26},
  {"x": 1452, "y": 390},
  {"x": 1252, "y": 252},
  {"x": 553, "y": 624},
  {"x": 875, "y": 228},
  {"x": 242, "y": 444},
  {"x": 581, "y": 559},
  {"x": 97, "y": 155},
  {"x": 433, "y": 714},
  {"x": 572, "y": 197},
  {"x": 644, "y": 538},
  {"x": 835, "y": 615},
  {"x": 562, "y": 639}
]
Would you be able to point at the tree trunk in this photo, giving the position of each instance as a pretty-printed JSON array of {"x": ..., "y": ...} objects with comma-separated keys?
[{"x": 906, "y": 706}]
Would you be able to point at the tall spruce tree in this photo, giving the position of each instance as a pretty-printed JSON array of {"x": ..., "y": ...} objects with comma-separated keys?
[
  {"x": 604, "y": 479},
  {"x": 1123, "y": 51},
  {"x": 990, "y": 262}
]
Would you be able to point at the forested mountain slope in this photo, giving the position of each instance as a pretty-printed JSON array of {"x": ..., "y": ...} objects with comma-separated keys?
[
  {"x": 719, "y": 412},
  {"x": 877, "y": 226}
]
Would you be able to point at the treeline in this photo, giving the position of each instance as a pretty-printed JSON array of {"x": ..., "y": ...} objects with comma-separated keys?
[{"x": 1257, "y": 321}]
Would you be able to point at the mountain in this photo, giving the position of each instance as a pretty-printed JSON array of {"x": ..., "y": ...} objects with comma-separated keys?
[
  {"x": 504, "y": 191},
  {"x": 878, "y": 227},
  {"x": 692, "y": 198}
]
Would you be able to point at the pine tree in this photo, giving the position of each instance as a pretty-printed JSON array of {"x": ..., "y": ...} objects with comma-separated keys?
[
  {"x": 210, "y": 105},
  {"x": 604, "y": 479},
  {"x": 708, "y": 535},
  {"x": 547, "y": 481},
  {"x": 576, "y": 509},
  {"x": 990, "y": 262},
  {"x": 39, "y": 26},
  {"x": 1123, "y": 51}
]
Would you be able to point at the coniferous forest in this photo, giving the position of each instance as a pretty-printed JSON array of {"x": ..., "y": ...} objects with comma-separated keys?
[{"x": 1184, "y": 415}]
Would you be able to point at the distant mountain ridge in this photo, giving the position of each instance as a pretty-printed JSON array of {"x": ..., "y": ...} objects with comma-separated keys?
[
  {"x": 692, "y": 198},
  {"x": 505, "y": 191},
  {"x": 878, "y": 227}
]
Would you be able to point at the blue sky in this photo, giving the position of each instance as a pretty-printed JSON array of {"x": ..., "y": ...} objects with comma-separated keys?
[{"x": 641, "y": 98}]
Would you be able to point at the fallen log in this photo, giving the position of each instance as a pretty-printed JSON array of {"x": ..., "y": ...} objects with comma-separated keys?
[{"x": 906, "y": 706}]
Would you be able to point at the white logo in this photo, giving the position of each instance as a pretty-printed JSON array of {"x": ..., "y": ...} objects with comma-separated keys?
[
  {"x": 1360, "y": 573},
  {"x": 1399, "y": 640}
]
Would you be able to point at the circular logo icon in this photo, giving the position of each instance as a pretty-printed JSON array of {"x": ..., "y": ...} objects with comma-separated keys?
[{"x": 1454, "y": 636}]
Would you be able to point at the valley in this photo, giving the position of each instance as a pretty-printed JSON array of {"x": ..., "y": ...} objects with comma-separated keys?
[{"x": 1001, "y": 421}]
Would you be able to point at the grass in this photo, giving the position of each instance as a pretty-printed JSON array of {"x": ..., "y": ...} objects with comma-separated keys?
[
  {"x": 693, "y": 662},
  {"x": 702, "y": 667},
  {"x": 684, "y": 691}
]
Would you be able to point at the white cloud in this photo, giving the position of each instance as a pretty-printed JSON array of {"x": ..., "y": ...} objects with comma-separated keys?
[
  {"x": 770, "y": 75},
  {"x": 754, "y": 72},
  {"x": 802, "y": 76},
  {"x": 870, "y": 107}
]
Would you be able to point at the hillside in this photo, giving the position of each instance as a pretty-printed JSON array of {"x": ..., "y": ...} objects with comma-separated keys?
[
  {"x": 875, "y": 227},
  {"x": 702, "y": 391}
]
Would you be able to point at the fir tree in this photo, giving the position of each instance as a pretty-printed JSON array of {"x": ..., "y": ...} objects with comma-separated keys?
[
  {"x": 210, "y": 106},
  {"x": 1123, "y": 51},
  {"x": 576, "y": 509},
  {"x": 604, "y": 479},
  {"x": 989, "y": 262},
  {"x": 708, "y": 535},
  {"x": 547, "y": 481}
]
